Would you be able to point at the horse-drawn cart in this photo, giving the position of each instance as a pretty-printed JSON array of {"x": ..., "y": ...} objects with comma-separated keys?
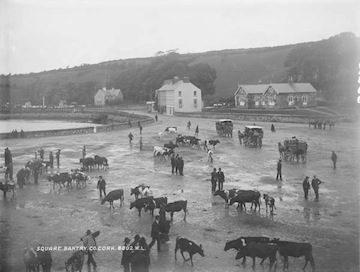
[
  {"x": 224, "y": 127},
  {"x": 293, "y": 149},
  {"x": 253, "y": 136}
]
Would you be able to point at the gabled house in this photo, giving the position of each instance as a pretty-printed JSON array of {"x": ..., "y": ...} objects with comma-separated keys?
[
  {"x": 103, "y": 95},
  {"x": 178, "y": 95},
  {"x": 275, "y": 95}
]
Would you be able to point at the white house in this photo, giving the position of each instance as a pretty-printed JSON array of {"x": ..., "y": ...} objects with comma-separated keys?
[
  {"x": 178, "y": 95},
  {"x": 104, "y": 95}
]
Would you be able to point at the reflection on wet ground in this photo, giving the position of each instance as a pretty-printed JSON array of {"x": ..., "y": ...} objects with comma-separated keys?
[{"x": 41, "y": 214}]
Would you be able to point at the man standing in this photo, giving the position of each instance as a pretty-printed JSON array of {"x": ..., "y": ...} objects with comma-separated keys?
[
  {"x": 173, "y": 163},
  {"x": 315, "y": 184},
  {"x": 156, "y": 118},
  {"x": 36, "y": 175},
  {"x": 155, "y": 233},
  {"x": 213, "y": 180},
  {"x": 41, "y": 154},
  {"x": 58, "y": 158},
  {"x": 177, "y": 164},
  {"x": 189, "y": 125},
  {"x": 141, "y": 143},
  {"x": 206, "y": 146},
  {"x": 130, "y": 137},
  {"x": 84, "y": 152},
  {"x": 51, "y": 160},
  {"x": 181, "y": 166},
  {"x": 7, "y": 156},
  {"x": 279, "y": 170},
  {"x": 197, "y": 130},
  {"x": 221, "y": 179},
  {"x": 334, "y": 158},
  {"x": 126, "y": 256},
  {"x": 90, "y": 245},
  {"x": 306, "y": 187},
  {"x": 272, "y": 128},
  {"x": 21, "y": 177},
  {"x": 101, "y": 186},
  {"x": 140, "y": 127}
]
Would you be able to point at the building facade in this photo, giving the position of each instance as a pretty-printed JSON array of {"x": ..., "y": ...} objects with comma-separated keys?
[
  {"x": 178, "y": 95},
  {"x": 275, "y": 95},
  {"x": 103, "y": 95}
]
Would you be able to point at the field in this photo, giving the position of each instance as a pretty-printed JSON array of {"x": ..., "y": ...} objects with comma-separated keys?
[{"x": 40, "y": 214}]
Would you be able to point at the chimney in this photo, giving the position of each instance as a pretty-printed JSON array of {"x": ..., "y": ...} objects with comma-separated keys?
[
  {"x": 186, "y": 79},
  {"x": 176, "y": 79},
  {"x": 291, "y": 81}
]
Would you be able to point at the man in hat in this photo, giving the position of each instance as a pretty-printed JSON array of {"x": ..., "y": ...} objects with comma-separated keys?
[
  {"x": 126, "y": 256},
  {"x": 51, "y": 159},
  {"x": 181, "y": 166},
  {"x": 221, "y": 179},
  {"x": 172, "y": 159},
  {"x": 155, "y": 233},
  {"x": 58, "y": 158},
  {"x": 130, "y": 138},
  {"x": 90, "y": 245},
  {"x": 306, "y": 187},
  {"x": 315, "y": 184},
  {"x": 101, "y": 186},
  {"x": 334, "y": 158},
  {"x": 136, "y": 241},
  {"x": 213, "y": 180},
  {"x": 279, "y": 170}
]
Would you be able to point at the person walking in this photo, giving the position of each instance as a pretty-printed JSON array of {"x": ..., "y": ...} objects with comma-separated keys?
[
  {"x": 306, "y": 187},
  {"x": 197, "y": 130},
  {"x": 155, "y": 233},
  {"x": 206, "y": 146},
  {"x": 334, "y": 159},
  {"x": 315, "y": 184},
  {"x": 240, "y": 136},
  {"x": 141, "y": 128},
  {"x": 156, "y": 118},
  {"x": 58, "y": 158},
  {"x": 51, "y": 160},
  {"x": 90, "y": 245},
  {"x": 221, "y": 179},
  {"x": 84, "y": 152},
  {"x": 213, "y": 180},
  {"x": 7, "y": 155},
  {"x": 279, "y": 166},
  {"x": 130, "y": 138},
  {"x": 272, "y": 128},
  {"x": 181, "y": 166},
  {"x": 101, "y": 186},
  {"x": 173, "y": 163},
  {"x": 189, "y": 125},
  {"x": 126, "y": 256}
]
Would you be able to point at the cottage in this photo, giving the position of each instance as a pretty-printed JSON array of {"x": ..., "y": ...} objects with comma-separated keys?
[
  {"x": 104, "y": 95},
  {"x": 178, "y": 95},
  {"x": 275, "y": 95}
]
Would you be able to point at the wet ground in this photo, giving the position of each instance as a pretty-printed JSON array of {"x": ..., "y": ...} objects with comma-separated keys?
[{"x": 40, "y": 214}]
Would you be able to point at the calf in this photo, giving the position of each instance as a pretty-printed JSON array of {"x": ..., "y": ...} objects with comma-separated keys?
[
  {"x": 186, "y": 245},
  {"x": 147, "y": 203},
  {"x": 214, "y": 143},
  {"x": 140, "y": 190},
  {"x": 260, "y": 250},
  {"x": 247, "y": 196},
  {"x": 114, "y": 195},
  {"x": 176, "y": 206},
  {"x": 227, "y": 195},
  {"x": 269, "y": 201},
  {"x": 296, "y": 250}
]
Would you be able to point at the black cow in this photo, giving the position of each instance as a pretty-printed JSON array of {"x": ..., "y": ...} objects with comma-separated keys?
[
  {"x": 157, "y": 203},
  {"x": 171, "y": 145},
  {"x": 101, "y": 162},
  {"x": 260, "y": 250},
  {"x": 75, "y": 262},
  {"x": 60, "y": 179},
  {"x": 147, "y": 203},
  {"x": 294, "y": 249},
  {"x": 180, "y": 140},
  {"x": 176, "y": 206},
  {"x": 88, "y": 163},
  {"x": 247, "y": 196},
  {"x": 214, "y": 143},
  {"x": 186, "y": 245},
  {"x": 114, "y": 195},
  {"x": 242, "y": 241}
]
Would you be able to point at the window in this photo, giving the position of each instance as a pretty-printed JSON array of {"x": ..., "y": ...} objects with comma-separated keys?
[
  {"x": 179, "y": 93},
  {"x": 290, "y": 98},
  {"x": 195, "y": 103},
  {"x": 304, "y": 99},
  {"x": 180, "y": 103},
  {"x": 194, "y": 93}
]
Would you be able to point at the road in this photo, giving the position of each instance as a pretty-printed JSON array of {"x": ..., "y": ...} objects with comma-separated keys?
[{"x": 42, "y": 215}]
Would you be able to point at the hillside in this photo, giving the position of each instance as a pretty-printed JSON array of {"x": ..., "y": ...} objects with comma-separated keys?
[{"x": 330, "y": 65}]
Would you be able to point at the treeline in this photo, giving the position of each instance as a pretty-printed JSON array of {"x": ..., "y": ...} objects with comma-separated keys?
[{"x": 331, "y": 66}]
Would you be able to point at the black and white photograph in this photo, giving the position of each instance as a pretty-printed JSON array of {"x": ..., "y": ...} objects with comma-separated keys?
[{"x": 179, "y": 135}]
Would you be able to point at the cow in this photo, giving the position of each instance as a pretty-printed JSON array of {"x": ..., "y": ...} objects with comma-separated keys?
[
  {"x": 261, "y": 250},
  {"x": 176, "y": 206},
  {"x": 180, "y": 139},
  {"x": 75, "y": 262},
  {"x": 88, "y": 163},
  {"x": 269, "y": 201},
  {"x": 114, "y": 195},
  {"x": 247, "y": 196},
  {"x": 79, "y": 177},
  {"x": 101, "y": 162},
  {"x": 30, "y": 260},
  {"x": 8, "y": 187},
  {"x": 213, "y": 143},
  {"x": 44, "y": 258},
  {"x": 227, "y": 195},
  {"x": 171, "y": 130},
  {"x": 60, "y": 179},
  {"x": 162, "y": 152},
  {"x": 156, "y": 203},
  {"x": 243, "y": 241},
  {"x": 170, "y": 145},
  {"x": 147, "y": 203},
  {"x": 188, "y": 246},
  {"x": 140, "y": 190},
  {"x": 294, "y": 249}
]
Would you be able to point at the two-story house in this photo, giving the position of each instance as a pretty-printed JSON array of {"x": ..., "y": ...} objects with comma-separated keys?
[
  {"x": 178, "y": 95},
  {"x": 103, "y": 95}
]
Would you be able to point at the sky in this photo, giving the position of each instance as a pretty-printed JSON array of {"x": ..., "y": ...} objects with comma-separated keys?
[{"x": 41, "y": 35}]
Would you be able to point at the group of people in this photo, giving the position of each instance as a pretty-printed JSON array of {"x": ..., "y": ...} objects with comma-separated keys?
[
  {"x": 138, "y": 246},
  {"x": 15, "y": 134},
  {"x": 41, "y": 154},
  {"x": 177, "y": 164},
  {"x": 217, "y": 178},
  {"x": 196, "y": 129},
  {"x": 314, "y": 184}
]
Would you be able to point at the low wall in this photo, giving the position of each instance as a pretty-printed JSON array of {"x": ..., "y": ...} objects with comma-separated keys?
[{"x": 119, "y": 120}]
